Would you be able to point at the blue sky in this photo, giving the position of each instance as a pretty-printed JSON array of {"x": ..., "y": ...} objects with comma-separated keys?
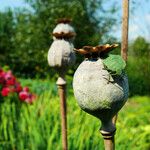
[
  {"x": 139, "y": 20},
  {"x": 139, "y": 23},
  {"x": 12, "y": 3}
]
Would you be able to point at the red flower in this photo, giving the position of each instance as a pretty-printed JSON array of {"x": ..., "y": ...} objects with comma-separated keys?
[
  {"x": 10, "y": 84},
  {"x": 17, "y": 87},
  {"x": 9, "y": 78},
  {"x": 2, "y": 77},
  {"x": 31, "y": 98},
  {"x": 23, "y": 95},
  {"x": 1, "y": 70},
  {"x": 5, "y": 91},
  {"x": 26, "y": 89}
]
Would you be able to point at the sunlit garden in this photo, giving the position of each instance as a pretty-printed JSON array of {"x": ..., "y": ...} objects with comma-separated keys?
[{"x": 34, "y": 83}]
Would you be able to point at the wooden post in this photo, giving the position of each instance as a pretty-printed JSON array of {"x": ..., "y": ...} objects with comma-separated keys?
[
  {"x": 61, "y": 57},
  {"x": 109, "y": 140},
  {"x": 61, "y": 83},
  {"x": 108, "y": 133},
  {"x": 124, "y": 45},
  {"x": 125, "y": 24}
]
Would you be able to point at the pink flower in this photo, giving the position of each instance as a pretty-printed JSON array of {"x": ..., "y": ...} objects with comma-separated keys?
[
  {"x": 10, "y": 84},
  {"x": 26, "y": 97},
  {"x": 30, "y": 99},
  {"x": 26, "y": 89},
  {"x": 5, "y": 91},
  {"x": 9, "y": 78},
  {"x": 23, "y": 95},
  {"x": 17, "y": 87}
]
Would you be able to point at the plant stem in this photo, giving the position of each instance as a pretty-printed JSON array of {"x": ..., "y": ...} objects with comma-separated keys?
[{"x": 61, "y": 83}]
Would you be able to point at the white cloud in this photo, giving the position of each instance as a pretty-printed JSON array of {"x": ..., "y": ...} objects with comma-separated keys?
[
  {"x": 133, "y": 28},
  {"x": 139, "y": 26},
  {"x": 134, "y": 31}
]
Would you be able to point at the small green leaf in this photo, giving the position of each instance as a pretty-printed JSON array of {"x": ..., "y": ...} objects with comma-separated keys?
[{"x": 114, "y": 64}]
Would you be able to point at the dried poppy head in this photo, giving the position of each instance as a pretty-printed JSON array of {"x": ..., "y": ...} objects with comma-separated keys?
[
  {"x": 97, "y": 51},
  {"x": 63, "y": 30}
]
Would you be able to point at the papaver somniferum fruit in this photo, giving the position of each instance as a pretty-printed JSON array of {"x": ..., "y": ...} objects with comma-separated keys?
[
  {"x": 10, "y": 85},
  {"x": 100, "y": 84},
  {"x": 61, "y": 55}
]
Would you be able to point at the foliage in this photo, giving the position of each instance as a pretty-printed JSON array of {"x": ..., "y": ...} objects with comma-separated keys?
[
  {"x": 6, "y": 35},
  {"x": 38, "y": 127},
  {"x": 115, "y": 64},
  {"x": 139, "y": 67},
  {"x": 140, "y": 47},
  {"x": 27, "y": 36}
]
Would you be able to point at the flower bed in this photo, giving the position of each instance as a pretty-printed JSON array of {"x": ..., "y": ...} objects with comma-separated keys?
[{"x": 10, "y": 85}]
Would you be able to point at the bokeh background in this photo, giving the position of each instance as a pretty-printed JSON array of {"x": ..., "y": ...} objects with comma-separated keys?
[{"x": 25, "y": 37}]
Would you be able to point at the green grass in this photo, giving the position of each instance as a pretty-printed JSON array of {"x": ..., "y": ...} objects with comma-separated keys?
[{"x": 37, "y": 126}]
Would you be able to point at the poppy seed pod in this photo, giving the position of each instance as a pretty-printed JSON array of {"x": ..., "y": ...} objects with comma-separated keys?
[
  {"x": 64, "y": 31},
  {"x": 61, "y": 55},
  {"x": 98, "y": 93},
  {"x": 62, "y": 27}
]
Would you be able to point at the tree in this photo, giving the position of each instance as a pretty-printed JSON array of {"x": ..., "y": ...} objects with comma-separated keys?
[
  {"x": 90, "y": 18},
  {"x": 33, "y": 30},
  {"x": 139, "y": 67},
  {"x": 7, "y": 31},
  {"x": 140, "y": 47}
]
